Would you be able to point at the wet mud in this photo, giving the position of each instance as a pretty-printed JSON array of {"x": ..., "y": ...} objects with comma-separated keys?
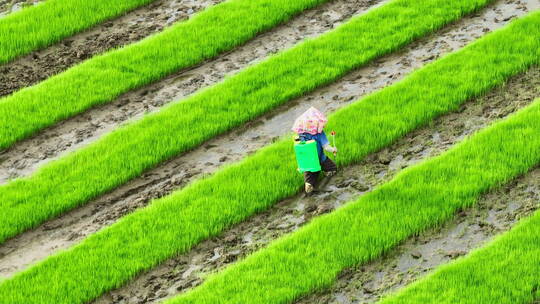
[
  {"x": 72, "y": 227},
  {"x": 71, "y": 134},
  {"x": 472, "y": 228},
  {"x": 495, "y": 213},
  {"x": 10, "y": 6},
  {"x": 133, "y": 26}
]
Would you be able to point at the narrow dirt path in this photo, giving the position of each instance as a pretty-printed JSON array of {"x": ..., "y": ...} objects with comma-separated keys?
[
  {"x": 495, "y": 213},
  {"x": 131, "y": 27},
  {"x": 67, "y": 136},
  {"x": 28, "y": 248},
  {"x": 187, "y": 271}
]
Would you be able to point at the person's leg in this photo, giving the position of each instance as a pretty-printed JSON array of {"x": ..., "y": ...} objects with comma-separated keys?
[
  {"x": 329, "y": 167},
  {"x": 310, "y": 179}
]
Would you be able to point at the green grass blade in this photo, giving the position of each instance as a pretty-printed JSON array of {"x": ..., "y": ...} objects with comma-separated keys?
[
  {"x": 126, "y": 153},
  {"x": 173, "y": 224}
]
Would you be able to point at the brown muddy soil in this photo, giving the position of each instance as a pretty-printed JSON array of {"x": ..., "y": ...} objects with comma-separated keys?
[
  {"x": 71, "y": 134},
  {"x": 11, "y": 6},
  {"x": 131, "y": 27},
  {"x": 472, "y": 228},
  {"x": 494, "y": 214},
  {"x": 72, "y": 227}
]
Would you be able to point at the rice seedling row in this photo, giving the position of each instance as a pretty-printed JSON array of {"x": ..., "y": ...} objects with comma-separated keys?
[
  {"x": 78, "y": 131},
  {"x": 129, "y": 151},
  {"x": 177, "y": 275},
  {"x": 42, "y": 25},
  {"x": 103, "y": 78},
  {"x": 38, "y": 65},
  {"x": 419, "y": 197},
  {"x": 505, "y": 271},
  {"x": 71, "y": 227},
  {"x": 144, "y": 238}
]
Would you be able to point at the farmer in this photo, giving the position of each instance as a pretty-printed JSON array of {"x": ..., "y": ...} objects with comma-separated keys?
[{"x": 309, "y": 126}]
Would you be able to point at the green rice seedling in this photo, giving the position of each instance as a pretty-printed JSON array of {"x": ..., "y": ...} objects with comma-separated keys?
[
  {"x": 419, "y": 197},
  {"x": 181, "y": 126},
  {"x": 175, "y": 223},
  {"x": 42, "y": 25},
  {"x": 506, "y": 271},
  {"x": 103, "y": 78}
]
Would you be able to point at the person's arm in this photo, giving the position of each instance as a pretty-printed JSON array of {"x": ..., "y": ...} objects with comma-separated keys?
[{"x": 326, "y": 144}]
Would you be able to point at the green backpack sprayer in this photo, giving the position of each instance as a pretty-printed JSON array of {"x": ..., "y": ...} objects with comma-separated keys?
[{"x": 307, "y": 156}]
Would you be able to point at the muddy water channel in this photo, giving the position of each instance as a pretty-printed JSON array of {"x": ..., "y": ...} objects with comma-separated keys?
[
  {"x": 81, "y": 130},
  {"x": 10, "y": 6},
  {"x": 72, "y": 227},
  {"x": 495, "y": 213}
]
